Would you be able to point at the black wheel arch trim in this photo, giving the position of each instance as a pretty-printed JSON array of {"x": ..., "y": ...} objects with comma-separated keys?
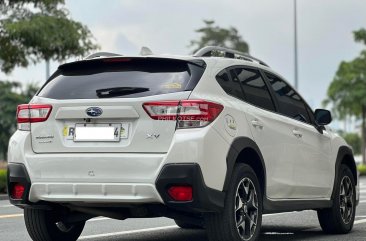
[
  {"x": 344, "y": 152},
  {"x": 238, "y": 145}
]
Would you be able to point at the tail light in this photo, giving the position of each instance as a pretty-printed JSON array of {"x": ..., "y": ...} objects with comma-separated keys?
[
  {"x": 181, "y": 193},
  {"x": 31, "y": 113},
  {"x": 17, "y": 191},
  {"x": 188, "y": 113}
]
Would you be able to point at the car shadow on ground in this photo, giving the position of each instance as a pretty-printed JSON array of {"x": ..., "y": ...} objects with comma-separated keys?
[{"x": 268, "y": 233}]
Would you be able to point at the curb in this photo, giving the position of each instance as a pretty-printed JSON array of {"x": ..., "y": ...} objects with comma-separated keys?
[{"x": 4, "y": 197}]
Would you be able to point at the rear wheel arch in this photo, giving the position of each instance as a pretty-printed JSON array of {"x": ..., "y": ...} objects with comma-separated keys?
[
  {"x": 345, "y": 157},
  {"x": 245, "y": 150}
]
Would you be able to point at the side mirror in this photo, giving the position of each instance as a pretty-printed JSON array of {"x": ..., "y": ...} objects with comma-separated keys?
[{"x": 322, "y": 117}]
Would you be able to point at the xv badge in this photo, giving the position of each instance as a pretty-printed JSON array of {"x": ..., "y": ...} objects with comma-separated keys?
[{"x": 152, "y": 136}]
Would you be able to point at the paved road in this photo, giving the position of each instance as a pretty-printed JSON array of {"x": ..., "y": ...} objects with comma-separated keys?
[{"x": 286, "y": 226}]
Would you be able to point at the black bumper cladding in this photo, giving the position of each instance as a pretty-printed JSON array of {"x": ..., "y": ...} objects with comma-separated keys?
[
  {"x": 18, "y": 174},
  {"x": 205, "y": 199}
]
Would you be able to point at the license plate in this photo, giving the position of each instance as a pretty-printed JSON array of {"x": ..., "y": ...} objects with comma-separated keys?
[{"x": 97, "y": 132}]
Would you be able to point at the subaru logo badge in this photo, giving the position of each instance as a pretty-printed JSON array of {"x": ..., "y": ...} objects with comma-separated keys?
[{"x": 94, "y": 111}]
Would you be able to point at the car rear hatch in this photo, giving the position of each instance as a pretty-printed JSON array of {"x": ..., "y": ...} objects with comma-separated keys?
[{"x": 97, "y": 105}]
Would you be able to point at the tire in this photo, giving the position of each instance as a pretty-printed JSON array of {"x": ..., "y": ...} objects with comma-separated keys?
[
  {"x": 340, "y": 217},
  {"x": 185, "y": 225},
  {"x": 243, "y": 202},
  {"x": 41, "y": 226}
]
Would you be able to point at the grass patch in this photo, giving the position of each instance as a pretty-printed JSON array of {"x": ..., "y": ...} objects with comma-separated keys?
[
  {"x": 3, "y": 180},
  {"x": 3, "y": 176},
  {"x": 362, "y": 169}
]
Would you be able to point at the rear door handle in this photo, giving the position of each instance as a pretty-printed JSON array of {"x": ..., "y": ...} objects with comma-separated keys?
[
  {"x": 257, "y": 123},
  {"x": 297, "y": 133}
]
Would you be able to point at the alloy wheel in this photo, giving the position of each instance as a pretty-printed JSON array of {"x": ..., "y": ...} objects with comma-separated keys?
[
  {"x": 246, "y": 209},
  {"x": 346, "y": 200}
]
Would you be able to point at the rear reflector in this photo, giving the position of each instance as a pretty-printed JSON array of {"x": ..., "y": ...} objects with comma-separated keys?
[
  {"x": 17, "y": 191},
  {"x": 31, "y": 113},
  {"x": 188, "y": 113},
  {"x": 181, "y": 193}
]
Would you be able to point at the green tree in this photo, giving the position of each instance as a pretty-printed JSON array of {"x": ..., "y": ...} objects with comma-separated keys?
[
  {"x": 35, "y": 30},
  {"x": 11, "y": 95},
  {"x": 347, "y": 92},
  {"x": 212, "y": 34},
  {"x": 354, "y": 140}
]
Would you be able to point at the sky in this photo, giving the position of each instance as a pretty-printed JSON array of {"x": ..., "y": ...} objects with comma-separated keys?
[{"x": 324, "y": 33}]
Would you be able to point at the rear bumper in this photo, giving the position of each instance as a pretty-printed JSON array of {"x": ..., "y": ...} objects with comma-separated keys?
[
  {"x": 131, "y": 193},
  {"x": 205, "y": 199},
  {"x": 69, "y": 192},
  {"x": 93, "y": 178}
]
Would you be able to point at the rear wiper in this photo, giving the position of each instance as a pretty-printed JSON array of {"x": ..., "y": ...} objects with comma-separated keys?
[{"x": 119, "y": 91}]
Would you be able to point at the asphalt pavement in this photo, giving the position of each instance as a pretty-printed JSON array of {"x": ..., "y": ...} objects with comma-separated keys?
[{"x": 285, "y": 226}]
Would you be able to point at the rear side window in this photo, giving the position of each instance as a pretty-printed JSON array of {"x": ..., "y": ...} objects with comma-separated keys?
[
  {"x": 255, "y": 90},
  {"x": 122, "y": 78},
  {"x": 230, "y": 85},
  {"x": 290, "y": 103}
]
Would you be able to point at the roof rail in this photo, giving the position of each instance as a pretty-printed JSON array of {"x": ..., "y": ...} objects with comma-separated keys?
[
  {"x": 102, "y": 54},
  {"x": 228, "y": 53}
]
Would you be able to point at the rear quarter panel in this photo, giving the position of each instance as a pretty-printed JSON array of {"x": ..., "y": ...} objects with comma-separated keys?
[{"x": 213, "y": 163}]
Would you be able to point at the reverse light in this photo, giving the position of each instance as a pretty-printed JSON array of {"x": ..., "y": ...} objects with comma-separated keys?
[
  {"x": 17, "y": 191},
  {"x": 181, "y": 193},
  {"x": 187, "y": 113},
  {"x": 32, "y": 113}
]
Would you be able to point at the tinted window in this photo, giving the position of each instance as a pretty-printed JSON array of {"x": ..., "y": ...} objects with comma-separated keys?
[
  {"x": 310, "y": 113},
  {"x": 121, "y": 78},
  {"x": 290, "y": 103},
  {"x": 230, "y": 85},
  {"x": 255, "y": 90}
]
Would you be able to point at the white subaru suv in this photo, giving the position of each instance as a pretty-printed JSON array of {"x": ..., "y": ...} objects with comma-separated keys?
[{"x": 213, "y": 141}]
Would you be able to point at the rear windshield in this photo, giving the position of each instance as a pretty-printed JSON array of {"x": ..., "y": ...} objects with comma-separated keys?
[{"x": 122, "y": 78}]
